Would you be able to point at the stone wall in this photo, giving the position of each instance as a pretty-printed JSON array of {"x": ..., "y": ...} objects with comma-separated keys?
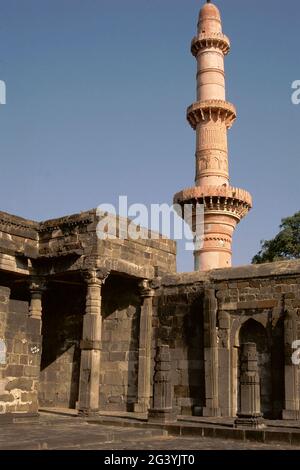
[
  {"x": 120, "y": 334},
  {"x": 77, "y": 234},
  {"x": 20, "y": 364},
  {"x": 252, "y": 304},
  {"x": 18, "y": 236},
  {"x": 179, "y": 313}
]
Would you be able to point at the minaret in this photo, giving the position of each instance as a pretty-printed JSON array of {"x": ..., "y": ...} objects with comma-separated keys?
[{"x": 211, "y": 116}]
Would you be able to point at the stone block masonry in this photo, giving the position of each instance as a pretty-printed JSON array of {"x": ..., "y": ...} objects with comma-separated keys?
[
  {"x": 258, "y": 304},
  {"x": 19, "y": 371}
]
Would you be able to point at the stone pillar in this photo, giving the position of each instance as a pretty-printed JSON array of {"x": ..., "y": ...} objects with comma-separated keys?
[
  {"x": 145, "y": 339},
  {"x": 224, "y": 356},
  {"x": 37, "y": 286},
  {"x": 211, "y": 354},
  {"x": 249, "y": 414},
  {"x": 162, "y": 411},
  {"x": 291, "y": 371},
  {"x": 91, "y": 344}
]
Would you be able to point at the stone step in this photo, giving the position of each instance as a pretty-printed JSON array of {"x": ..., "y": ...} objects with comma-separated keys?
[{"x": 70, "y": 439}]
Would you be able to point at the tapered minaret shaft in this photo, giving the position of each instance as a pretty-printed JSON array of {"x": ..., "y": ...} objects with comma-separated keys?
[{"x": 211, "y": 117}]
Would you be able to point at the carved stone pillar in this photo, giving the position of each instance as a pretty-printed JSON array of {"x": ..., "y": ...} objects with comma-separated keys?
[
  {"x": 224, "y": 357},
  {"x": 37, "y": 286},
  {"x": 291, "y": 371},
  {"x": 211, "y": 354},
  {"x": 145, "y": 339},
  {"x": 162, "y": 411},
  {"x": 91, "y": 344},
  {"x": 249, "y": 414}
]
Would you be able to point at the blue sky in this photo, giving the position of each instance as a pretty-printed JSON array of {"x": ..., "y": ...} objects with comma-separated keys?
[{"x": 96, "y": 97}]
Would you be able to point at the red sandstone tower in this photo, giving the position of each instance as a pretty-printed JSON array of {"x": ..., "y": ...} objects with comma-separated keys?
[{"x": 210, "y": 117}]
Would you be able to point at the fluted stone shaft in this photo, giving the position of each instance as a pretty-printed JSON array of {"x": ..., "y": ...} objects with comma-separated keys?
[
  {"x": 145, "y": 340},
  {"x": 91, "y": 344},
  {"x": 211, "y": 363}
]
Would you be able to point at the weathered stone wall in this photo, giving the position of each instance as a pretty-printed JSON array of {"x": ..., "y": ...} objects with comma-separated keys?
[
  {"x": 64, "y": 307},
  {"x": 256, "y": 309},
  {"x": 18, "y": 236},
  {"x": 120, "y": 333},
  {"x": 77, "y": 234},
  {"x": 252, "y": 305},
  {"x": 179, "y": 313},
  {"x": 20, "y": 365}
]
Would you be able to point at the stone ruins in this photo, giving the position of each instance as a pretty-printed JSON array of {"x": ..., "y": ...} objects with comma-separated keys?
[{"x": 109, "y": 325}]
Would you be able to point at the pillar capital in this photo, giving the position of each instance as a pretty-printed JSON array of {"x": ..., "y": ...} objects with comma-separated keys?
[
  {"x": 145, "y": 288},
  {"x": 37, "y": 284},
  {"x": 95, "y": 277}
]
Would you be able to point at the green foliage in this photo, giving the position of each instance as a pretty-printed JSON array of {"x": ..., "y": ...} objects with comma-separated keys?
[{"x": 286, "y": 244}]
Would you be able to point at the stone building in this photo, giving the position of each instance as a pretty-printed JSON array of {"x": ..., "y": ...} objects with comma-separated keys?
[{"x": 82, "y": 318}]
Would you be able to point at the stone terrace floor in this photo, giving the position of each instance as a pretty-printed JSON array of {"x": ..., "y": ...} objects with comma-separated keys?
[{"x": 60, "y": 432}]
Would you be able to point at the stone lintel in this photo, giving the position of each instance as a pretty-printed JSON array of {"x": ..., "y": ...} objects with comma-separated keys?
[{"x": 251, "y": 305}]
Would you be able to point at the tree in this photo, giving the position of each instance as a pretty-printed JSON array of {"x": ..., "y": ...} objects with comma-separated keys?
[{"x": 286, "y": 244}]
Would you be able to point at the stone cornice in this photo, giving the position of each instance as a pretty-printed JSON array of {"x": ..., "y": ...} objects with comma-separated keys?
[
  {"x": 201, "y": 193},
  {"x": 209, "y": 40},
  {"x": 65, "y": 224},
  {"x": 17, "y": 225},
  {"x": 207, "y": 110},
  {"x": 95, "y": 276}
]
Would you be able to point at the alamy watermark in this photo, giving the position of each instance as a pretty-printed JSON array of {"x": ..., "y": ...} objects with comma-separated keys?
[
  {"x": 137, "y": 221},
  {"x": 2, "y": 92},
  {"x": 296, "y": 354},
  {"x": 296, "y": 93}
]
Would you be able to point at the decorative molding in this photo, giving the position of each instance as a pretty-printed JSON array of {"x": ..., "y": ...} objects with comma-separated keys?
[
  {"x": 146, "y": 288},
  {"x": 37, "y": 284},
  {"x": 231, "y": 201},
  {"x": 209, "y": 40},
  {"x": 95, "y": 276},
  {"x": 205, "y": 111},
  {"x": 66, "y": 225}
]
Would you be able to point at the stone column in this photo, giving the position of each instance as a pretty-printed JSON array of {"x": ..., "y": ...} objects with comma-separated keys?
[
  {"x": 291, "y": 371},
  {"x": 211, "y": 354},
  {"x": 37, "y": 286},
  {"x": 91, "y": 344},
  {"x": 249, "y": 414},
  {"x": 145, "y": 340},
  {"x": 162, "y": 411},
  {"x": 224, "y": 363}
]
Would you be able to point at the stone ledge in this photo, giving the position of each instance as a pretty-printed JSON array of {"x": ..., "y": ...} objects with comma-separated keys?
[
  {"x": 277, "y": 268},
  {"x": 268, "y": 435},
  {"x": 251, "y": 305}
]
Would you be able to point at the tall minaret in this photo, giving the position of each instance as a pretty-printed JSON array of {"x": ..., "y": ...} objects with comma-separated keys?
[{"x": 210, "y": 117}]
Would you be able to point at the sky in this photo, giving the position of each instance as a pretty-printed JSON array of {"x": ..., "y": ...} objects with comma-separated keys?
[{"x": 97, "y": 92}]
